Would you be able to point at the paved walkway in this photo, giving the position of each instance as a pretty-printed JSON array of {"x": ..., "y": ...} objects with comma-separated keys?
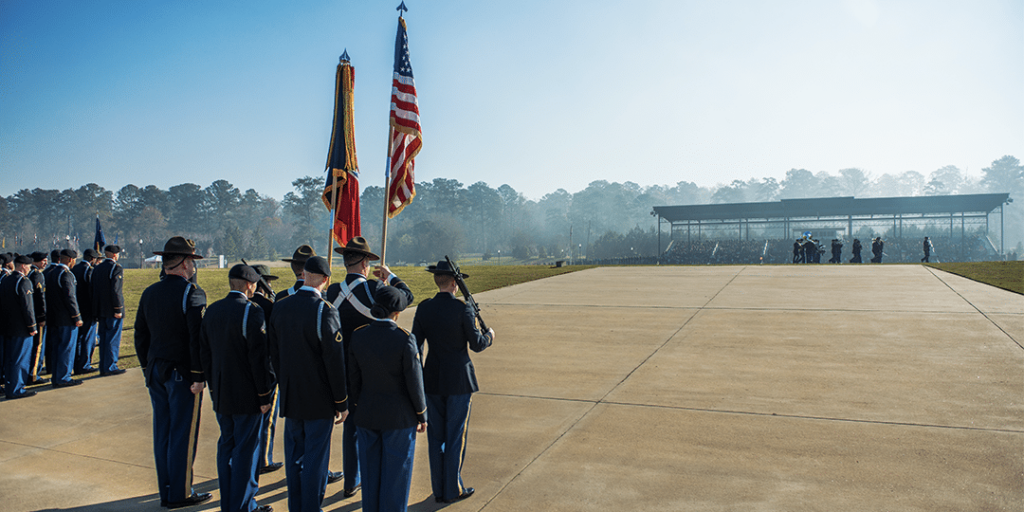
[{"x": 786, "y": 388}]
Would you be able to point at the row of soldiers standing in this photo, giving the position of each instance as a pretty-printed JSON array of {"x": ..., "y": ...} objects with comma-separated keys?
[
  {"x": 318, "y": 358},
  {"x": 809, "y": 250},
  {"x": 56, "y": 311}
]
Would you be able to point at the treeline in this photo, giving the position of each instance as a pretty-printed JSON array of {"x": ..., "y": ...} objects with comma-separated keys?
[{"x": 604, "y": 220}]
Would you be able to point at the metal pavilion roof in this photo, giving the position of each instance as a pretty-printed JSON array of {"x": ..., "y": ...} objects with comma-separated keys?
[{"x": 834, "y": 207}]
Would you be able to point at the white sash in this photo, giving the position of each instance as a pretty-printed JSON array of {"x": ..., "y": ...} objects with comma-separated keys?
[{"x": 347, "y": 294}]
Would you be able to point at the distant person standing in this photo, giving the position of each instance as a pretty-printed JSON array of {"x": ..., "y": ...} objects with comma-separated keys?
[
  {"x": 86, "y": 341},
  {"x": 877, "y": 249},
  {"x": 64, "y": 319},
  {"x": 236, "y": 362},
  {"x": 108, "y": 298},
  {"x": 927, "y": 248},
  {"x": 167, "y": 330},
  {"x": 308, "y": 356},
  {"x": 17, "y": 327},
  {"x": 448, "y": 326},
  {"x": 856, "y": 252},
  {"x": 387, "y": 384}
]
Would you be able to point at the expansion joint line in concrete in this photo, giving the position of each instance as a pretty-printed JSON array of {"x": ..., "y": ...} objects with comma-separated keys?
[
  {"x": 602, "y": 399},
  {"x": 976, "y": 308}
]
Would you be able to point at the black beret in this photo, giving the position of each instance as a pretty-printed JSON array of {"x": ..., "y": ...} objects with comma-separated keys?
[
  {"x": 54, "y": 255},
  {"x": 387, "y": 300},
  {"x": 38, "y": 256},
  {"x": 91, "y": 254},
  {"x": 244, "y": 272},
  {"x": 3, "y": 259},
  {"x": 23, "y": 259},
  {"x": 317, "y": 265},
  {"x": 69, "y": 253},
  {"x": 112, "y": 249}
]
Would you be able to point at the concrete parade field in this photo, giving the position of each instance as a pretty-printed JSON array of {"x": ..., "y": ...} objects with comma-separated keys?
[{"x": 746, "y": 388}]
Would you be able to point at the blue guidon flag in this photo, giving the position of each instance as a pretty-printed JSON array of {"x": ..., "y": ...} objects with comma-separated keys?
[
  {"x": 406, "y": 138},
  {"x": 99, "y": 241}
]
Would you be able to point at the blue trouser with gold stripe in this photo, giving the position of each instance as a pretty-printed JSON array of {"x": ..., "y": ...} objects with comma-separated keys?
[
  {"x": 307, "y": 451},
  {"x": 236, "y": 461},
  {"x": 175, "y": 432},
  {"x": 386, "y": 457},
  {"x": 109, "y": 331},
  {"x": 268, "y": 428},
  {"x": 84, "y": 346},
  {"x": 63, "y": 339},
  {"x": 447, "y": 421}
]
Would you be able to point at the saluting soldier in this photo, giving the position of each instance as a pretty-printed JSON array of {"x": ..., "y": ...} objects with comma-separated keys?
[
  {"x": 39, "y": 262},
  {"x": 353, "y": 297},
  {"x": 264, "y": 298},
  {"x": 233, "y": 349},
  {"x": 308, "y": 356},
  {"x": 448, "y": 326},
  {"x": 64, "y": 318},
  {"x": 86, "y": 341},
  {"x": 167, "y": 328},
  {"x": 387, "y": 386},
  {"x": 298, "y": 259},
  {"x": 17, "y": 327},
  {"x": 108, "y": 298}
]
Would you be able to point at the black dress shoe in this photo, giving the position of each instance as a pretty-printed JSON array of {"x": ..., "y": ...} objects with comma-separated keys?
[
  {"x": 112, "y": 372},
  {"x": 36, "y": 382},
  {"x": 23, "y": 395},
  {"x": 465, "y": 494},
  {"x": 351, "y": 492},
  {"x": 334, "y": 476},
  {"x": 270, "y": 468},
  {"x": 86, "y": 371},
  {"x": 195, "y": 499},
  {"x": 67, "y": 384},
  {"x": 263, "y": 508}
]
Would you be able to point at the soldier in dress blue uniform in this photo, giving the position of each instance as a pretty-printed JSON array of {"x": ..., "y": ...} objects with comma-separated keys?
[
  {"x": 233, "y": 349},
  {"x": 353, "y": 297},
  {"x": 17, "y": 327},
  {"x": 167, "y": 328},
  {"x": 308, "y": 356},
  {"x": 63, "y": 318},
  {"x": 108, "y": 299},
  {"x": 387, "y": 388},
  {"x": 264, "y": 298},
  {"x": 39, "y": 262},
  {"x": 86, "y": 341},
  {"x": 448, "y": 326}
]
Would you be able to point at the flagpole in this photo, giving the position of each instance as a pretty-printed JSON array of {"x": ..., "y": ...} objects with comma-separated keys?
[{"x": 387, "y": 197}]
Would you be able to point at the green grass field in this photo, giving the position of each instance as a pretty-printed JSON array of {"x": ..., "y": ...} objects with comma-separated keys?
[
  {"x": 1005, "y": 275},
  {"x": 215, "y": 283}
]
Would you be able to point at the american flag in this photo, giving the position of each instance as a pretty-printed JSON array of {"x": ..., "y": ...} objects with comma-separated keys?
[{"x": 406, "y": 138}]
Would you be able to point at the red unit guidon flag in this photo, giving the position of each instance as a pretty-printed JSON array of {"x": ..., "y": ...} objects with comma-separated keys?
[{"x": 406, "y": 138}]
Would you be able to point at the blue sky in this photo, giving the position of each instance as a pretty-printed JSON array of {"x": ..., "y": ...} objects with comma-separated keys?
[{"x": 537, "y": 94}]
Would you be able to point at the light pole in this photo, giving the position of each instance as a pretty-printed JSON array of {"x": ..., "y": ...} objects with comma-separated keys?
[
  {"x": 499, "y": 257},
  {"x": 142, "y": 258}
]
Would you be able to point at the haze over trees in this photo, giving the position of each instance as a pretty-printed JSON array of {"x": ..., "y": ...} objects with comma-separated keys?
[{"x": 604, "y": 220}]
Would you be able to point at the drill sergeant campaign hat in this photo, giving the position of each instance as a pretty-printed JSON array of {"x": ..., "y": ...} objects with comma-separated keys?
[
  {"x": 264, "y": 271},
  {"x": 317, "y": 265},
  {"x": 179, "y": 246},
  {"x": 444, "y": 269},
  {"x": 303, "y": 253},
  {"x": 358, "y": 245},
  {"x": 244, "y": 272}
]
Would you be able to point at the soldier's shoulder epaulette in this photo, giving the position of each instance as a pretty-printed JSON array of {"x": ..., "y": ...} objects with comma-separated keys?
[
  {"x": 407, "y": 333},
  {"x": 325, "y": 301},
  {"x": 360, "y": 327}
]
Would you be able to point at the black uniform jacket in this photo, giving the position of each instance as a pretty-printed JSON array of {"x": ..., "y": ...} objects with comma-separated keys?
[
  {"x": 107, "y": 289},
  {"x": 167, "y": 327},
  {"x": 289, "y": 291},
  {"x": 236, "y": 362},
  {"x": 448, "y": 325},
  {"x": 266, "y": 304},
  {"x": 17, "y": 311},
  {"x": 307, "y": 354},
  {"x": 387, "y": 377},
  {"x": 351, "y": 318},
  {"x": 61, "y": 299},
  {"x": 83, "y": 290},
  {"x": 38, "y": 293}
]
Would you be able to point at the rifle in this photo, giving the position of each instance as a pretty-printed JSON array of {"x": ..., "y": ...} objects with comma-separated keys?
[{"x": 465, "y": 293}]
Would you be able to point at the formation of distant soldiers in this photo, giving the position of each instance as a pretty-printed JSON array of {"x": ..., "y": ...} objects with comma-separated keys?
[
  {"x": 809, "y": 250},
  {"x": 318, "y": 354},
  {"x": 55, "y": 312}
]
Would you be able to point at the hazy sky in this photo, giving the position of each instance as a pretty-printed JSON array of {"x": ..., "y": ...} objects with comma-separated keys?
[{"x": 537, "y": 94}]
